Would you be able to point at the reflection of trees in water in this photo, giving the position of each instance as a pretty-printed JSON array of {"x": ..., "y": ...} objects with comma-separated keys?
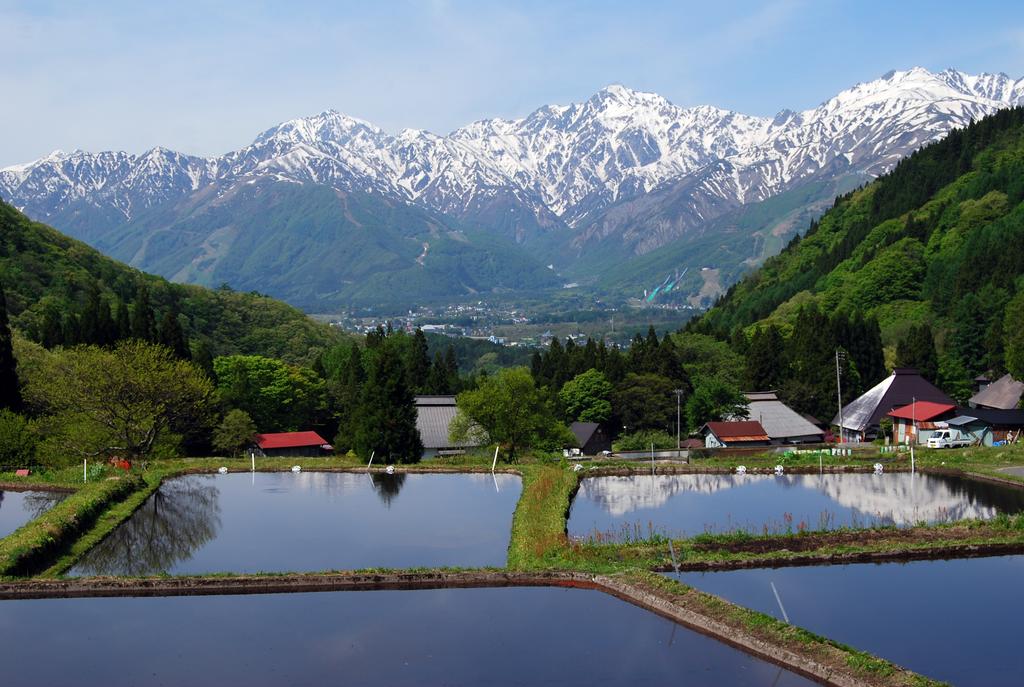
[
  {"x": 387, "y": 486},
  {"x": 174, "y": 522},
  {"x": 38, "y": 502}
]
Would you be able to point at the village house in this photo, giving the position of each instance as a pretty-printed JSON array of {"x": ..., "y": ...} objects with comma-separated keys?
[
  {"x": 591, "y": 439},
  {"x": 782, "y": 424},
  {"x": 861, "y": 418},
  {"x": 734, "y": 434},
  {"x": 915, "y": 422},
  {"x": 292, "y": 444},
  {"x": 1002, "y": 394},
  {"x": 434, "y": 415},
  {"x": 989, "y": 426}
]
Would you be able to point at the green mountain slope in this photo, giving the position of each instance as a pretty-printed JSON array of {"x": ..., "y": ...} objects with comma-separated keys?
[
  {"x": 44, "y": 271},
  {"x": 722, "y": 251},
  {"x": 938, "y": 242},
  {"x": 318, "y": 248}
]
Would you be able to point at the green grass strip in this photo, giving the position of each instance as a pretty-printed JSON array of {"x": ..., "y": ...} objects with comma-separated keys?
[{"x": 34, "y": 545}]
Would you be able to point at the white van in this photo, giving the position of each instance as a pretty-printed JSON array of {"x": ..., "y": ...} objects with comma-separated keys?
[{"x": 949, "y": 438}]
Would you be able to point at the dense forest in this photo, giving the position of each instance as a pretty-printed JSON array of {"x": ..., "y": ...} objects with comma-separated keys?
[
  {"x": 62, "y": 292},
  {"x": 933, "y": 252}
]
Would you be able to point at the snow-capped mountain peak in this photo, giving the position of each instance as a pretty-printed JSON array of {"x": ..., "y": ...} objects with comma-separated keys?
[{"x": 565, "y": 164}]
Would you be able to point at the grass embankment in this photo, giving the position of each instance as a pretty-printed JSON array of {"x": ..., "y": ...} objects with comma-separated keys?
[
  {"x": 744, "y": 625},
  {"x": 538, "y": 525},
  {"x": 1003, "y": 534},
  {"x": 31, "y": 548}
]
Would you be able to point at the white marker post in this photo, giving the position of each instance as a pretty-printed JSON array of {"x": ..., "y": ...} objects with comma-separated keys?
[
  {"x": 778, "y": 599},
  {"x": 913, "y": 425},
  {"x": 494, "y": 463},
  {"x": 85, "y": 469},
  {"x": 252, "y": 454},
  {"x": 372, "y": 453}
]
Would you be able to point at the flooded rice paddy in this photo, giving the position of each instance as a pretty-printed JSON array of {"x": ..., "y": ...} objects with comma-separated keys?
[
  {"x": 506, "y": 636},
  {"x": 956, "y": 620},
  {"x": 18, "y": 507},
  {"x": 279, "y": 522},
  {"x": 622, "y": 508}
]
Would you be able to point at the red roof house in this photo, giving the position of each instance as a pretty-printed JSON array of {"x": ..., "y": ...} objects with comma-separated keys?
[
  {"x": 922, "y": 410},
  {"x": 734, "y": 433},
  {"x": 916, "y": 421},
  {"x": 292, "y": 444}
]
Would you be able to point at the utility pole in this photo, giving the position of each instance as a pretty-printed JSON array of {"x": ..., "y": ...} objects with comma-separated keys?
[
  {"x": 839, "y": 397},
  {"x": 679, "y": 399}
]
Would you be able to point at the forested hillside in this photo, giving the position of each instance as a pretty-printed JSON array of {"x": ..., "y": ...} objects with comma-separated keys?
[
  {"x": 60, "y": 291},
  {"x": 934, "y": 251}
]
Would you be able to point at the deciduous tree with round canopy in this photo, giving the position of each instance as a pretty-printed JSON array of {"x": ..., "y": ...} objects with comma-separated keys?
[
  {"x": 513, "y": 412},
  {"x": 586, "y": 397},
  {"x": 122, "y": 402}
]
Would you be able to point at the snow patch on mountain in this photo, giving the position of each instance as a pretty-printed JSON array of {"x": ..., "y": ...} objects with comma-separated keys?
[{"x": 562, "y": 163}]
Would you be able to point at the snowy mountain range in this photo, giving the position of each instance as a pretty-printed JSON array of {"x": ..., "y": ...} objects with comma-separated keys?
[{"x": 625, "y": 170}]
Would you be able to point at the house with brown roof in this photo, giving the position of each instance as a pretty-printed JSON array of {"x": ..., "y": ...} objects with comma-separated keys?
[
  {"x": 734, "y": 433},
  {"x": 1002, "y": 394}
]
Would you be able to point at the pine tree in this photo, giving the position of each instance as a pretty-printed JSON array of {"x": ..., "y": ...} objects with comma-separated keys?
[
  {"x": 766, "y": 360},
  {"x": 52, "y": 330},
  {"x": 451, "y": 369},
  {"x": 665, "y": 362},
  {"x": 171, "y": 335},
  {"x": 589, "y": 356},
  {"x": 10, "y": 391},
  {"x": 386, "y": 425},
  {"x": 202, "y": 357},
  {"x": 419, "y": 362},
  {"x": 811, "y": 386},
  {"x": 89, "y": 321},
  {"x": 347, "y": 396},
  {"x": 123, "y": 323},
  {"x": 917, "y": 349},
  {"x": 537, "y": 369},
  {"x": 438, "y": 381},
  {"x": 615, "y": 367},
  {"x": 105, "y": 325},
  {"x": 143, "y": 321},
  {"x": 554, "y": 367}
]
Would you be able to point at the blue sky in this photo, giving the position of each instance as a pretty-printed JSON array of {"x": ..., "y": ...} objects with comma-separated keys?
[{"x": 205, "y": 78}]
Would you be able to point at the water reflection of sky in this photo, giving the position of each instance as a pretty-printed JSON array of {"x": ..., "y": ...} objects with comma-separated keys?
[
  {"x": 312, "y": 521},
  {"x": 504, "y": 636},
  {"x": 954, "y": 620},
  {"x": 696, "y": 503},
  {"x": 18, "y": 507}
]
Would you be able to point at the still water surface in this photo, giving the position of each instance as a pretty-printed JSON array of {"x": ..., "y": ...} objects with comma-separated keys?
[
  {"x": 18, "y": 507},
  {"x": 280, "y": 522},
  {"x": 509, "y": 636},
  {"x": 692, "y": 504},
  {"x": 957, "y": 621}
]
